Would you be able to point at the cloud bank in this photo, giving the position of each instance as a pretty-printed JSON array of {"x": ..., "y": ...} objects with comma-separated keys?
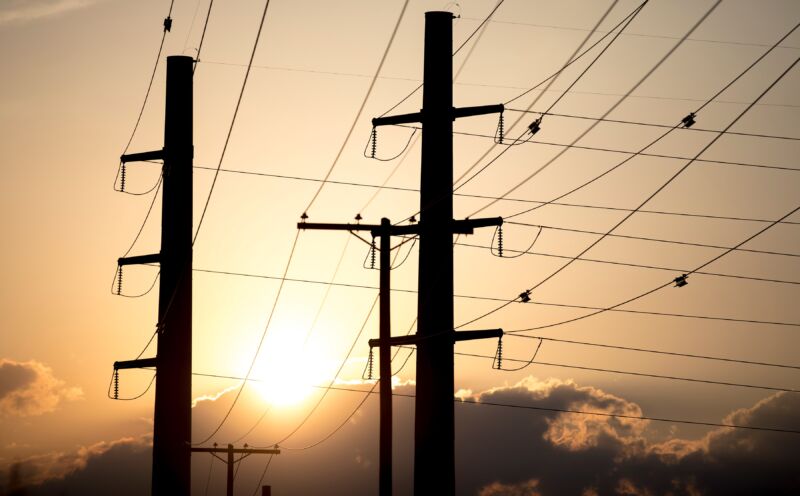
[
  {"x": 499, "y": 451},
  {"x": 29, "y": 388}
]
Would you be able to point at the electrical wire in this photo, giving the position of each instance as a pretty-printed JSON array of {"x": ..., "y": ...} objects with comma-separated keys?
[
  {"x": 233, "y": 119},
  {"x": 652, "y": 195},
  {"x": 260, "y": 342},
  {"x": 637, "y": 35},
  {"x": 543, "y": 409},
  {"x": 203, "y": 35},
  {"x": 462, "y": 45},
  {"x": 111, "y": 382},
  {"x": 647, "y": 292},
  {"x": 361, "y": 108},
  {"x": 628, "y": 264},
  {"x": 616, "y": 105},
  {"x": 614, "y": 150},
  {"x": 261, "y": 479},
  {"x": 646, "y": 238},
  {"x": 631, "y": 373},
  {"x": 521, "y": 200},
  {"x": 487, "y": 298},
  {"x": 150, "y": 84},
  {"x": 662, "y": 136},
  {"x": 657, "y": 352},
  {"x": 549, "y": 81},
  {"x": 652, "y": 124}
]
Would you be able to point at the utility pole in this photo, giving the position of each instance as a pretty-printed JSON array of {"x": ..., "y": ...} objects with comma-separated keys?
[
  {"x": 384, "y": 231},
  {"x": 173, "y": 361},
  {"x": 434, "y": 437},
  {"x": 230, "y": 462}
]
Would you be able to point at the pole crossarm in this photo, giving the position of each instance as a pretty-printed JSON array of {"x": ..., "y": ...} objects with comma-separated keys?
[
  {"x": 139, "y": 363},
  {"x": 465, "y": 226},
  {"x": 455, "y": 336},
  {"x": 140, "y": 259},
  {"x": 375, "y": 229},
  {"x": 247, "y": 451},
  {"x": 455, "y": 113},
  {"x": 143, "y": 156}
]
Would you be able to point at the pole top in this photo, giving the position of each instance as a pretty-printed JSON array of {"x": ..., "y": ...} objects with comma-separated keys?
[{"x": 439, "y": 13}]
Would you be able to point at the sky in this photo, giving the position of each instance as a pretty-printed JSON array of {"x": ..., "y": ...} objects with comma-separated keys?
[{"x": 601, "y": 215}]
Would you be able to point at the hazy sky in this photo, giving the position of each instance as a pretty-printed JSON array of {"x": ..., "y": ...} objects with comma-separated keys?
[{"x": 75, "y": 73}]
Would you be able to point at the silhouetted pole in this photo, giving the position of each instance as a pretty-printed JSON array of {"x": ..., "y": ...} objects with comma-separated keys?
[
  {"x": 434, "y": 432},
  {"x": 230, "y": 462},
  {"x": 172, "y": 429},
  {"x": 384, "y": 355},
  {"x": 384, "y": 231},
  {"x": 434, "y": 435},
  {"x": 173, "y": 361}
]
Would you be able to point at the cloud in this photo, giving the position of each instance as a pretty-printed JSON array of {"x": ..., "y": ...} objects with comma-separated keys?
[
  {"x": 580, "y": 454},
  {"x": 499, "y": 451},
  {"x": 527, "y": 488},
  {"x": 29, "y": 10},
  {"x": 29, "y": 388},
  {"x": 119, "y": 467}
]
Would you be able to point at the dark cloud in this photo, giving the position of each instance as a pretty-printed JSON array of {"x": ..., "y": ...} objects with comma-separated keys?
[
  {"x": 29, "y": 388},
  {"x": 499, "y": 451},
  {"x": 504, "y": 451},
  {"x": 121, "y": 467}
]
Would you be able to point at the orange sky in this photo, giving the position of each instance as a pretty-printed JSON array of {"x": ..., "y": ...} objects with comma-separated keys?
[{"x": 75, "y": 74}]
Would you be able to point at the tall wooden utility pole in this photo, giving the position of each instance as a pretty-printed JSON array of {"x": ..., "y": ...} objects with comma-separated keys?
[
  {"x": 434, "y": 437},
  {"x": 173, "y": 361}
]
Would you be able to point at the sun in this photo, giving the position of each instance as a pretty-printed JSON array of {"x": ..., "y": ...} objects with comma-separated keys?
[
  {"x": 280, "y": 385},
  {"x": 285, "y": 374}
]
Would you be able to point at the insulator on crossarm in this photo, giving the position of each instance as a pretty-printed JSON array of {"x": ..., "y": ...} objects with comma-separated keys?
[
  {"x": 372, "y": 258},
  {"x": 119, "y": 279},
  {"x": 500, "y": 241},
  {"x": 374, "y": 142},
  {"x": 500, "y": 129},
  {"x": 499, "y": 354},
  {"x": 370, "y": 362},
  {"x": 122, "y": 178},
  {"x": 116, "y": 384}
]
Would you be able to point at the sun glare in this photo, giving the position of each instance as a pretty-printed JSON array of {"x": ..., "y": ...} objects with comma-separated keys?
[{"x": 286, "y": 375}]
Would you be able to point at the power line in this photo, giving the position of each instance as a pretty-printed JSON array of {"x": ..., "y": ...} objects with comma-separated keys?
[
  {"x": 531, "y": 407},
  {"x": 683, "y": 123},
  {"x": 483, "y": 85},
  {"x": 616, "y": 150},
  {"x": 637, "y": 35},
  {"x": 574, "y": 57},
  {"x": 657, "y": 352},
  {"x": 463, "y": 44},
  {"x": 655, "y": 240},
  {"x": 488, "y": 298},
  {"x": 631, "y": 373},
  {"x": 519, "y": 200},
  {"x": 152, "y": 76},
  {"x": 591, "y": 127},
  {"x": 640, "y": 295},
  {"x": 652, "y": 124},
  {"x": 361, "y": 108},
  {"x": 660, "y": 188},
  {"x": 261, "y": 340},
  {"x": 639, "y": 266},
  {"x": 233, "y": 118}
]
